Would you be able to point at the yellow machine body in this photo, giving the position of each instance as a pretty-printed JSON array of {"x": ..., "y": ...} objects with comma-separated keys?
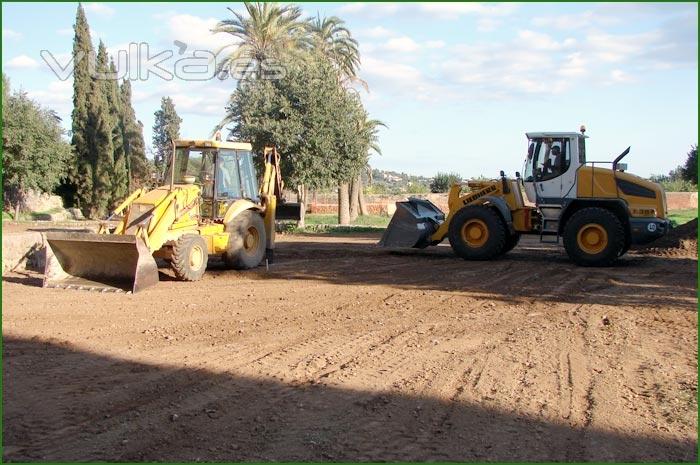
[
  {"x": 150, "y": 223},
  {"x": 598, "y": 211}
]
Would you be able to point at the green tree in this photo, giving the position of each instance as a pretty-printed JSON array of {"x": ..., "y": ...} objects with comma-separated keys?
[
  {"x": 120, "y": 177},
  {"x": 308, "y": 117},
  {"x": 165, "y": 129},
  {"x": 34, "y": 154},
  {"x": 79, "y": 182},
  {"x": 690, "y": 168},
  {"x": 267, "y": 30},
  {"x": 443, "y": 181},
  {"x": 101, "y": 141},
  {"x": 134, "y": 145}
]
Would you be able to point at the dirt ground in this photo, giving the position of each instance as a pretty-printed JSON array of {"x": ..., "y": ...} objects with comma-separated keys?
[{"x": 343, "y": 351}]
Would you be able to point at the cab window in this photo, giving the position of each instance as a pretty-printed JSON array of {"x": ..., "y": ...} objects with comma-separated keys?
[
  {"x": 228, "y": 184},
  {"x": 194, "y": 166},
  {"x": 552, "y": 158}
]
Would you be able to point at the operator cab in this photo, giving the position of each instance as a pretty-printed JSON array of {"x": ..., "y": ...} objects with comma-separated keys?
[
  {"x": 224, "y": 171},
  {"x": 549, "y": 174}
]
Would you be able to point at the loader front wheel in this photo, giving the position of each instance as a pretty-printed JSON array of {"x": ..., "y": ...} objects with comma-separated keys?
[
  {"x": 594, "y": 237},
  {"x": 190, "y": 257},
  {"x": 477, "y": 233},
  {"x": 246, "y": 242},
  {"x": 511, "y": 241}
]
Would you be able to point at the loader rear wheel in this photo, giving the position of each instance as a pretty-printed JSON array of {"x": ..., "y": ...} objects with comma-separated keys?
[
  {"x": 246, "y": 242},
  {"x": 189, "y": 258},
  {"x": 594, "y": 237},
  {"x": 477, "y": 233}
]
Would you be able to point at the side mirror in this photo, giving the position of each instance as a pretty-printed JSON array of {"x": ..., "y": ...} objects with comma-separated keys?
[{"x": 622, "y": 167}]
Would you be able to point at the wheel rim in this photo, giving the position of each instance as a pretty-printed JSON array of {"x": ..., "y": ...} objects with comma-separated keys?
[
  {"x": 592, "y": 238},
  {"x": 251, "y": 239},
  {"x": 475, "y": 233},
  {"x": 196, "y": 258}
]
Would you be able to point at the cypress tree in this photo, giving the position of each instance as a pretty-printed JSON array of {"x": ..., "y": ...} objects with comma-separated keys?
[
  {"x": 100, "y": 130},
  {"x": 134, "y": 145},
  {"x": 80, "y": 176},
  {"x": 165, "y": 129},
  {"x": 120, "y": 180}
]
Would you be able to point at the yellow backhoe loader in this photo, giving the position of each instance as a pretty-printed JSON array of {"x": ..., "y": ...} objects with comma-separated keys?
[
  {"x": 209, "y": 205},
  {"x": 599, "y": 211}
]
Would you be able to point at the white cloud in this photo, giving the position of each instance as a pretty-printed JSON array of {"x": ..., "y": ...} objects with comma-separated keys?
[
  {"x": 22, "y": 62},
  {"x": 401, "y": 44},
  {"x": 434, "y": 44},
  {"x": 488, "y": 24},
  {"x": 66, "y": 31},
  {"x": 377, "y": 32},
  {"x": 100, "y": 9},
  {"x": 457, "y": 9},
  {"x": 618, "y": 76},
  {"x": 195, "y": 31},
  {"x": 442, "y": 11},
  {"x": 9, "y": 34},
  {"x": 540, "y": 41}
]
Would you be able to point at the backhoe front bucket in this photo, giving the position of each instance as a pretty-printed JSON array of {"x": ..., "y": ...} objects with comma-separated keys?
[
  {"x": 412, "y": 225},
  {"x": 102, "y": 262}
]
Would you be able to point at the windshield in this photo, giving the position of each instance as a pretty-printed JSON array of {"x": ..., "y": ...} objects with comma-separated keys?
[
  {"x": 194, "y": 166},
  {"x": 547, "y": 158},
  {"x": 236, "y": 177}
]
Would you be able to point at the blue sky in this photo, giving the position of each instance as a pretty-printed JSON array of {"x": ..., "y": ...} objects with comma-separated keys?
[{"x": 458, "y": 84}]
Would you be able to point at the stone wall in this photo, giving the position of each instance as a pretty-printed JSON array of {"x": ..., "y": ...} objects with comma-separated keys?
[
  {"x": 383, "y": 204},
  {"x": 681, "y": 200},
  {"x": 22, "y": 250}
]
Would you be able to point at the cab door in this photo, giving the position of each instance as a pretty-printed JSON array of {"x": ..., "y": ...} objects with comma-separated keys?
[{"x": 549, "y": 159}]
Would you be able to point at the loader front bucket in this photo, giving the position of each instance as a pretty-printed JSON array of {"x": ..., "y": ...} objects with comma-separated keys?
[
  {"x": 102, "y": 262},
  {"x": 414, "y": 221}
]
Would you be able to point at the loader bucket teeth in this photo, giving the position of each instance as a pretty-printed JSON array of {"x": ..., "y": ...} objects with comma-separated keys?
[
  {"x": 413, "y": 224},
  {"x": 100, "y": 262}
]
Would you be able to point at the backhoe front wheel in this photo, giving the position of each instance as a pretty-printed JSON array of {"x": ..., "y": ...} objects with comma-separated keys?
[
  {"x": 477, "y": 233},
  {"x": 594, "y": 237},
  {"x": 246, "y": 242},
  {"x": 189, "y": 257}
]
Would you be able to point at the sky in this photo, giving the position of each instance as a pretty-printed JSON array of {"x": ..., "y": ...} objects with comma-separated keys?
[{"x": 458, "y": 84}]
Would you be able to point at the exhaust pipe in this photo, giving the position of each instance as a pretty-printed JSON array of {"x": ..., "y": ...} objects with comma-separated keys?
[{"x": 103, "y": 262}]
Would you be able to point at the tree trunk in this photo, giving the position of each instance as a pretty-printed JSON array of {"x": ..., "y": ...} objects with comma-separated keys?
[
  {"x": 343, "y": 204},
  {"x": 354, "y": 198},
  {"x": 361, "y": 197},
  {"x": 301, "y": 198}
]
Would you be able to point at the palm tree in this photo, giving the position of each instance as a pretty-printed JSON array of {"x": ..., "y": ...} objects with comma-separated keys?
[
  {"x": 267, "y": 31},
  {"x": 330, "y": 38},
  {"x": 369, "y": 138}
]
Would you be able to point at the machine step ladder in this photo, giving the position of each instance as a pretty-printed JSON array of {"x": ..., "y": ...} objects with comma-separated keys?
[{"x": 550, "y": 223}]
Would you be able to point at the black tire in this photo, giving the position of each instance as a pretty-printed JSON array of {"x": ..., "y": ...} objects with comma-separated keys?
[
  {"x": 511, "y": 241},
  {"x": 246, "y": 242},
  {"x": 480, "y": 220},
  {"x": 606, "y": 231},
  {"x": 189, "y": 257}
]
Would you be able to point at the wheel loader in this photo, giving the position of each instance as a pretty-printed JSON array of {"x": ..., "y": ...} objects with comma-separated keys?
[
  {"x": 210, "y": 205},
  {"x": 596, "y": 207}
]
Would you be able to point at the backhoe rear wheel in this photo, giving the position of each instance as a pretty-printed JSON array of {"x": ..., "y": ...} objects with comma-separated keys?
[
  {"x": 246, "y": 242},
  {"x": 477, "y": 233},
  {"x": 594, "y": 237},
  {"x": 189, "y": 258}
]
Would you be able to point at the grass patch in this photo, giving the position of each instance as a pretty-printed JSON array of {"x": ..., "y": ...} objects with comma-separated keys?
[
  {"x": 679, "y": 217},
  {"x": 328, "y": 224},
  {"x": 365, "y": 220}
]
